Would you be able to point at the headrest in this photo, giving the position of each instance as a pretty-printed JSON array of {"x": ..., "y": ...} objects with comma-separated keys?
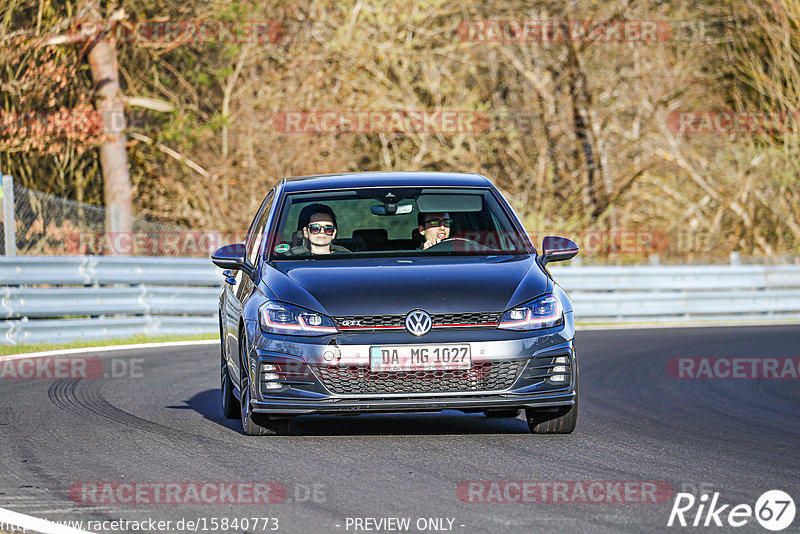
[{"x": 370, "y": 239}]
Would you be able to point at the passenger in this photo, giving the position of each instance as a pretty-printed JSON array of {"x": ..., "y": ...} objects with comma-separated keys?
[
  {"x": 434, "y": 227},
  {"x": 319, "y": 232}
]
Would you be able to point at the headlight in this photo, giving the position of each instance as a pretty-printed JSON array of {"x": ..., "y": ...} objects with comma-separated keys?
[
  {"x": 279, "y": 318},
  {"x": 543, "y": 312}
]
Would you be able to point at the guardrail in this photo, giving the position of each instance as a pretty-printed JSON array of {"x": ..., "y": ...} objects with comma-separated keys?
[
  {"x": 64, "y": 298},
  {"x": 607, "y": 294},
  {"x": 50, "y": 299}
]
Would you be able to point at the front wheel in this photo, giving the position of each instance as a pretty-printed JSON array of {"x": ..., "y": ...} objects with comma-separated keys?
[
  {"x": 255, "y": 424},
  {"x": 561, "y": 420},
  {"x": 230, "y": 406}
]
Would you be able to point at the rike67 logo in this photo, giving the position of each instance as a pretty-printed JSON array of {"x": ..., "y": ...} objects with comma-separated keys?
[{"x": 774, "y": 510}]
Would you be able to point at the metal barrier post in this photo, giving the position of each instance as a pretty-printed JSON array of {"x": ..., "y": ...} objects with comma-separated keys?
[{"x": 7, "y": 196}]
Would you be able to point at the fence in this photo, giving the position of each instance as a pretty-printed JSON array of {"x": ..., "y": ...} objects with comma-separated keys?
[
  {"x": 55, "y": 299},
  {"x": 38, "y": 223}
]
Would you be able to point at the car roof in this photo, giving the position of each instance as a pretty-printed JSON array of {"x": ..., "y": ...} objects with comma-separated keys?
[{"x": 384, "y": 179}]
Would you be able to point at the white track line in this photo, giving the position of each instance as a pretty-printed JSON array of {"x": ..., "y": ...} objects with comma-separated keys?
[
  {"x": 62, "y": 352},
  {"x": 618, "y": 326},
  {"x": 717, "y": 324},
  {"x": 35, "y": 524}
]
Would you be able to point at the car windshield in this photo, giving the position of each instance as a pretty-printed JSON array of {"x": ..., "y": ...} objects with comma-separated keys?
[{"x": 393, "y": 222}]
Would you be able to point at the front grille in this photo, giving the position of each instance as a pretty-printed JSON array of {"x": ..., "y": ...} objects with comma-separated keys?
[
  {"x": 440, "y": 320},
  {"x": 370, "y": 320},
  {"x": 448, "y": 319},
  {"x": 357, "y": 379}
]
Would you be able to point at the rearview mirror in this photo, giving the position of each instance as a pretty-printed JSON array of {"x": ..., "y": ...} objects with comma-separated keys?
[
  {"x": 233, "y": 257},
  {"x": 557, "y": 248},
  {"x": 392, "y": 209}
]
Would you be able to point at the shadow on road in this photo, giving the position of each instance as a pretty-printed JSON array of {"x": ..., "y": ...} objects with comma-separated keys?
[
  {"x": 446, "y": 423},
  {"x": 206, "y": 403}
]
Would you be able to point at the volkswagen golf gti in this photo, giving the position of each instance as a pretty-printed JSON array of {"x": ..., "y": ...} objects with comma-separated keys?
[{"x": 387, "y": 292}]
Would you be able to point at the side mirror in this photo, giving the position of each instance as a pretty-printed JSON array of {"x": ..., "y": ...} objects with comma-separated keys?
[
  {"x": 233, "y": 257},
  {"x": 556, "y": 248}
]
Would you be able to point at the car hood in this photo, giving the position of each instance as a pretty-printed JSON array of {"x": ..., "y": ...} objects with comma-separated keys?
[{"x": 382, "y": 286}]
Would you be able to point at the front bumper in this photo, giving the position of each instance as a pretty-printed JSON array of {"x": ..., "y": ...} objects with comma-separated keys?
[
  {"x": 414, "y": 404},
  {"x": 532, "y": 385}
]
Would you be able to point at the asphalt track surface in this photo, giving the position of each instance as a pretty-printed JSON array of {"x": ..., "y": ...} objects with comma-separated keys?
[{"x": 737, "y": 437}]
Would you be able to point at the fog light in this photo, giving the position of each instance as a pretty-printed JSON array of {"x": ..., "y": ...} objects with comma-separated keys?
[
  {"x": 559, "y": 369},
  {"x": 272, "y": 385},
  {"x": 270, "y": 376},
  {"x": 269, "y": 367}
]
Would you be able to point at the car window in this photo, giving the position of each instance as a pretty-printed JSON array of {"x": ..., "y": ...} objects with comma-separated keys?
[
  {"x": 354, "y": 214},
  {"x": 256, "y": 234},
  {"x": 384, "y": 221}
]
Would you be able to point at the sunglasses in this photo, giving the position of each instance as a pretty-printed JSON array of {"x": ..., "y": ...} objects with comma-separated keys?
[
  {"x": 439, "y": 222},
  {"x": 315, "y": 228}
]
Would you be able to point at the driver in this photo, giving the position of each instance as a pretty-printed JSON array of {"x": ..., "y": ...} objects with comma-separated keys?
[{"x": 434, "y": 227}]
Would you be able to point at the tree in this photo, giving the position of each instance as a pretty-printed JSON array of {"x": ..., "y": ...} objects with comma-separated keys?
[{"x": 110, "y": 104}]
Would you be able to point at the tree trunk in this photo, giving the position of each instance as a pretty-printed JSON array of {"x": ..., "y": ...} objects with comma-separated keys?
[
  {"x": 117, "y": 189},
  {"x": 581, "y": 104}
]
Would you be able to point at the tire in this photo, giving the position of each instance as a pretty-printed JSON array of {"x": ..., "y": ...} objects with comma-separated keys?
[
  {"x": 498, "y": 414},
  {"x": 230, "y": 405},
  {"x": 255, "y": 424},
  {"x": 560, "y": 421}
]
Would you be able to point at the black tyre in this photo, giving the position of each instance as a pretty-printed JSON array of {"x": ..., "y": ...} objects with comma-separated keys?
[
  {"x": 255, "y": 424},
  {"x": 561, "y": 420},
  {"x": 498, "y": 414},
  {"x": 230, "y": 406}
]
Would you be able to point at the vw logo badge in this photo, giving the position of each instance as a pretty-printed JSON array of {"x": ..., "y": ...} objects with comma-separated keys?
[{"x": 418, "y": 322}]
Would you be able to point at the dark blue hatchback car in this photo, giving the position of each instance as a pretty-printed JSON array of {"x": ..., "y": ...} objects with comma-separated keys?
[{"x": 394, "y": 292}]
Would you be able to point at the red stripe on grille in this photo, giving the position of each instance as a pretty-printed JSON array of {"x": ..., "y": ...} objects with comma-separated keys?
[
  {"x": 368, "y": 327},
  {"x": 403, "y": 327},
  {"x": 465, "y": 324}
]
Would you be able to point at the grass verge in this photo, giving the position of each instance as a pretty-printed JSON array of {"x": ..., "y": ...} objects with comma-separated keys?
[{"x": 20, "y": 349}]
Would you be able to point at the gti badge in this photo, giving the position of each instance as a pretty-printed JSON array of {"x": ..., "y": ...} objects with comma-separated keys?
[{"x": 418, "y": 322}]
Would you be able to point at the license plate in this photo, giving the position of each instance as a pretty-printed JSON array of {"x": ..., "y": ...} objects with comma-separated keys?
[{"x": 419, "y": 357}]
